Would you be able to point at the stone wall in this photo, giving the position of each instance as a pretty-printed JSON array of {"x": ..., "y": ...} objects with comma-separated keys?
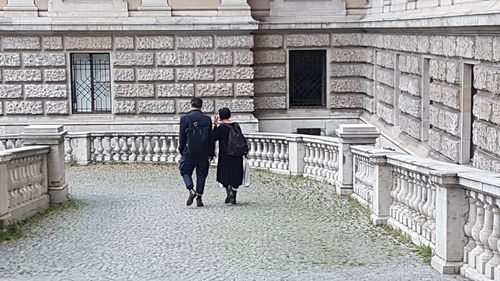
[
  {"x": 155, "y": 74},
  {"x": 412, "y": 83}
]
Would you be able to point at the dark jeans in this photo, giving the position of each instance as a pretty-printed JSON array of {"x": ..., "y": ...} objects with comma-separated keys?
[{"x": 187, "y": 166}]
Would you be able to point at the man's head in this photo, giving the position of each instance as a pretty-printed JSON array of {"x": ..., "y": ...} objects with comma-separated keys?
[{"x": 196, "y": 103}]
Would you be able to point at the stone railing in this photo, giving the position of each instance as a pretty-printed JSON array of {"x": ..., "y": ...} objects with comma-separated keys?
[
  {"x": 321, "y": 160},
  {"x": 269, "y": 151},
  {"x": 32, "y": 176},
  {"x": 10, "y": 141}
]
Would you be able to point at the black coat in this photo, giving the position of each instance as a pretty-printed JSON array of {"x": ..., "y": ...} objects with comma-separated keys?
[
  {"x": 203, "y": 121},
  {"x": 229, "y": 168}
]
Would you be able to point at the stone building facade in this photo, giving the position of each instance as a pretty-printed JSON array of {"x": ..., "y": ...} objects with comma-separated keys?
[{"x": 428, "y": 78}]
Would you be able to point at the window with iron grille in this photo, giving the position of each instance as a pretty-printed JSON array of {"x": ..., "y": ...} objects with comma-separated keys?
[
  {"x": 307, "y": 78},
  {"x": 90, "y": 83}
]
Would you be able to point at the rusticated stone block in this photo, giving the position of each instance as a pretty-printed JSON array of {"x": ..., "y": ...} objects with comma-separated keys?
[
  {"x": 156, "y": 106},
  {"x": 55, "y": 75},
  {"x": 133, "y": 59},
  {"x": 351, "y": 55},
  {"x": 410, "y": 84},
  {"x": 410, "y": 125},
  {"x": 45, "y": 91},
  {"x": 396, "y": 41},
  {"x": 272, "y": 56},
  {"x": 22, "y": 75},
  {"x": 445, "y": 119},
  {"x": 194, "y": 42},
  {"x": 124, "y": 43},
  {"x": 307, "y": 40},
  {"x": 123, "y": 74},
  {"x": 410, "y": 64},
  {"x": 124, "y": 107},
  {"x": 242, "y": 57},
  {"x": 350, "y": 69},
  {"x": 196, "y": 74},
  {"x": 465, "y": 46},
  {"x": 214, "y": 90},
  {"x": 56, "y": 107},
  {"x": 134, "y": 90},
  {"x": 243, "y": 89},
  {"x": 175, "y": 90},
  {"x": 346, "y": 101},
  {"x": 423, "y": 44},
  {"x": 269, "y": 41},
  {"x": 44, "y": 59},
  {"x": 449, "y": 46},
  {"x": 385, "y": 59},
  {"x": 23, "y": 107},
  {"x": 409, "y": 43},
  {"x": 184, "y": 106},
  {"x": 214, "y": 58},
  {"x": 270, "y": 102},
  {"x": 484, "y": 48},
  {"x": 234, "y": 73},
  {"x": 10, "y": 59},
  {"x": 236, "y": 105},
  {"x": 52, "y": 43},
  {"x": 155, "y": 74},
  {"x": 445, "y": 144},
  {"x": 487, "y": 78},
  {"x": 496, "y": 48},
  {"x": 445, "y": 94},
  {"x": 347, "y": 39},
  {"x": 270, "y": 71},
  {"x": 88, "y": 43},
  {"x": 483, "y": 107},
  {"x": 436, "y": 45},
  {"x": 234, "y": 42},
  {"x": 270, "y": 86},
  {"x": 385, "y": 93},
  {"x": 155, "y": 42},
  {"x": 11, "y": 91},
  {"x": 351, "y": 85},
  {"x": 410, "y": 104},
  {"x": 385, "y": 76},
  {"x": 21, "y": 43},
  {"x": 486, "y": 161},
  {"x": 486, "y": 136},
  {"x": 385, "y": 112},
  {"x": 448, "y": 71},
  {"x": 175, "y": 58},
  {"x": 370, "y": 40}
]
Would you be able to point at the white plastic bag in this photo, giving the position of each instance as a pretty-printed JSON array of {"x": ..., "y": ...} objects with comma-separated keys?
[{"x": 246, "y": 173}]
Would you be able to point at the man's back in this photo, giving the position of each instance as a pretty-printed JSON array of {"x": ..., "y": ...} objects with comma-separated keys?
[{"x": 196, "y": 131}]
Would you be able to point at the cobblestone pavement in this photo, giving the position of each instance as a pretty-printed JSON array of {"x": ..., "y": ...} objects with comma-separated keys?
[{"x": 134, "y": 225}]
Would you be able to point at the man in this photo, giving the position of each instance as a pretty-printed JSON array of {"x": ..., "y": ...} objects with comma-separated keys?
[{"x": 197, "y": 150}]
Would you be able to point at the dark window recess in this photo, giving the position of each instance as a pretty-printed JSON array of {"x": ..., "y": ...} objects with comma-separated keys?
[
  {"x": 307, "y": 78},
  {"x": 309, "y": 131},
  {"x": 90, "y": 83}
]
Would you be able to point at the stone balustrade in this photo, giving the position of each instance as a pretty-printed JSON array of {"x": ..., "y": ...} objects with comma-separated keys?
[
  {"x": 10, "y": 141},
  {"x": 321, "y": 160},
  {"x": 268, "y": 151}
]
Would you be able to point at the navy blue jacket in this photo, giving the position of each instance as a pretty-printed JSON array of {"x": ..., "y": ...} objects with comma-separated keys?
[{"x": 203, "y": 121}]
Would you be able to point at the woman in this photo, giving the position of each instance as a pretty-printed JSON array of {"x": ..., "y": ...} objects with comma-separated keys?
[{"x": 229, "y": 167}]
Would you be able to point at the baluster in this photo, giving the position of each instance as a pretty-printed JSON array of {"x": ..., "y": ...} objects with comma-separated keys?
[
  {"x": 108, "y": 149},
  {"x": 276, "y": 155},
  {"x": 402, "y": 194},
  {"x": 264, "y": 153},
  {"x": 326, "y": 162},
  {"x": 306, "y": 158},
  {"x": 471, "y": 221},
  {"x": 286, "y": 158},
  {"x": 251, "y": 153},
  {"x": 281, "y": 155},
  {"x": 125, "y": 149},
  {"x": 432, "y": 213},
  {"x": 141, "y": 155},
  {"x": 394, "y": 190},
  {"x": 164, "y": 149},
  {"x": 133, "y": 150},
  {"x": 172, "y": 152},
  {"x": 493, "y": 241},
  {"x": 116, "y": 149},
  {"x": 258, "y": 153},
  {"x": 321, "y": 157},
  {"x": 419, "y": 204},
  {"x": 92, "y": 149},
  {"x": 149, "y": 150},
  {"x": 100, "y": 150},
  {"x": 156, "y": 149},
  {"x": 178, "y": 154},
  {"x": 485, "y": 233},
  {"x": 475, "y": 232},
  {"x": 270, "y": 153},
  {"x": 68, "y": 150}
]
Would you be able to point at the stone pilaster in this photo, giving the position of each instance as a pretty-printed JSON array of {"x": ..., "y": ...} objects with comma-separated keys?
[
  {"x": 155, "y": 8},
  {"x": 356, "y": 134},
  {"x": 20, "y": 8},
  {"x": 236, "y": 8},
  {"x": 52, "y": 136},
  {"x": 451, "y": 216},
  {"x": 381, "y": 189},
  {"x": 4, "y": 189},
  {"x": 296, "y": 153}
]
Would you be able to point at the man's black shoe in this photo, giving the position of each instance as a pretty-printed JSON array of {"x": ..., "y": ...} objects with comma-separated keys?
[
  {"x": 191, "y": 197},
  {"x": 199, "y": 203}
]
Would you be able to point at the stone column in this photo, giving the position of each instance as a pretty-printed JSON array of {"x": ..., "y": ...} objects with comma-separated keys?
[
  {"x": 4, "y": 189},
  {"x": 381, "y": 189},
  {"x": 352, "y": 134},
  {"x": 234, "y": 8},
  {"x": 451, "y": 216},
  {"x": 155, "y": 8},
  {"x": 52, "y": 136},
  {"x": 296, "y": 153},
  {"x": 20, "y": 8}
]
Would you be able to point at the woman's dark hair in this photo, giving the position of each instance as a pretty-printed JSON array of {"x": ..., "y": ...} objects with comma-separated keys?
[
  {"x": 196, "y": 102},
  {"x": 224, "y": 113}
]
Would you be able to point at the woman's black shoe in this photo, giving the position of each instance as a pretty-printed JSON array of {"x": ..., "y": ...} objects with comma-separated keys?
[
  {"x": 233, "y": 197},
  {"x": 229, "y": 191}
]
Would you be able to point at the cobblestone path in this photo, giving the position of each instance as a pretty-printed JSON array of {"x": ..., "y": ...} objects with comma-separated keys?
[{"x": 133, "y": 225}]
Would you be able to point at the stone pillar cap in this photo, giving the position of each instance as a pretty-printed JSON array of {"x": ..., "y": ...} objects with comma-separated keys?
[
  {"x": 44, "y": 129},
  {"x": 357, "y": 129}
]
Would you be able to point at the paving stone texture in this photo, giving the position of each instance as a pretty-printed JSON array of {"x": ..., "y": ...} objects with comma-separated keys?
[{"x": 133, "y": 225}]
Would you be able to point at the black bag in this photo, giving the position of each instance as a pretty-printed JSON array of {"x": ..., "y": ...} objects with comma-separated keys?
[
  {"x": 198, "y": 139},
  {"x": 236, "y": 142}
]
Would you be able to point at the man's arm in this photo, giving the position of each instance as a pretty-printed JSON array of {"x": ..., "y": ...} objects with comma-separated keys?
[
  {"x": 211, "y": 147},
  {"x": 182, "y": 135}
]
